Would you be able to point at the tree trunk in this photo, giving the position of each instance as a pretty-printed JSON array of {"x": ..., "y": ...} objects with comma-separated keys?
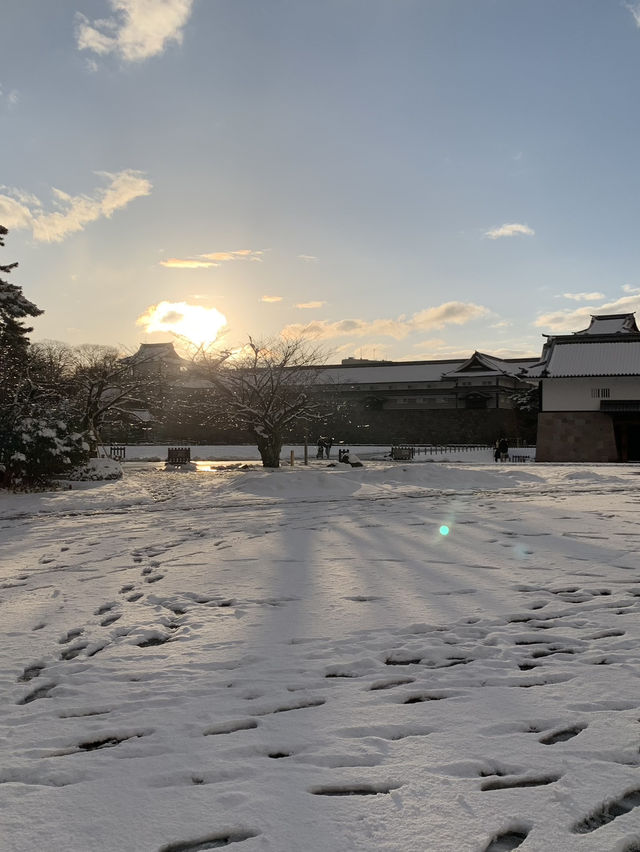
[{"x": 269, "y": 447}]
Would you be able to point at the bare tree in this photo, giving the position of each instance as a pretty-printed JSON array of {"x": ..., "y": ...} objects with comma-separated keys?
[
  {"x": 92, "y": 381},
  {"x": 267, "y": 389},
  {"x": 106, "y": 386}
]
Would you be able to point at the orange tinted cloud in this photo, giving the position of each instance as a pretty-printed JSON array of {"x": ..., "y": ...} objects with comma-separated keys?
[
  {"x": 209, "y": 259},
  {"x": 221, "y": 256},
  {"x": 179, "y": 263}
]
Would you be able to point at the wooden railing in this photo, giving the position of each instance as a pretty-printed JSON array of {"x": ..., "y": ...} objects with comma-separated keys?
[
  {"x": 435, "y": 449},
  {"x": 178, "y": 455}
]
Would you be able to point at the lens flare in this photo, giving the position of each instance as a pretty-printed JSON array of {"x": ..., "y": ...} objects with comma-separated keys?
[
  {"x": 194, "y": 323},
  {"x": 444, "y": 530}
]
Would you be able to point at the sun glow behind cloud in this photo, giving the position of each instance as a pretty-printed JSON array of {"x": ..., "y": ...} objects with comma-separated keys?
[{"x": 193, "y": 323}]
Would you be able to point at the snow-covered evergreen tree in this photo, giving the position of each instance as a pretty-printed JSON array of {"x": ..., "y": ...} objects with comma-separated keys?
[{"x": 36, "y": 440}]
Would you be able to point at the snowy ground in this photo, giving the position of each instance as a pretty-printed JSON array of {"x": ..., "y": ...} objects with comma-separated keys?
[{"x": 301, "y": 660}]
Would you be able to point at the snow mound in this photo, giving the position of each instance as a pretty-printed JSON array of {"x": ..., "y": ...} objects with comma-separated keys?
[
  {"x": 444, "y": 476},
  {"x": 299, "y": 484},
  {"x": 344, "y": 481},
  {"x": 97, "y": 470},
  {"x": 588, "y": 476}
]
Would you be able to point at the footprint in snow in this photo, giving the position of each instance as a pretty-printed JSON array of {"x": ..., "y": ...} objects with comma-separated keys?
[
  {"x": 73, "y": 650},
  {"x": 71, "y": 634},
  {"x": 31, "y": 672},
  {"x": 607, "y": 812},
  {"x": 507, "y": 840},
  {"x": 212, "y": 841}
]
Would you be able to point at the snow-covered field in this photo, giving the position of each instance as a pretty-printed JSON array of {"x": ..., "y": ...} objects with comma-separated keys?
[{"x": 303, "y": 659}]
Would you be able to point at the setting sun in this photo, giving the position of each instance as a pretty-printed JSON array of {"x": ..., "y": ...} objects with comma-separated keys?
[{"x": 193, "y": 323}]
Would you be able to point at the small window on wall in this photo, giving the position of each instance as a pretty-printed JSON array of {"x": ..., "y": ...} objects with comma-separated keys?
[{"x": 600, "y": 393}]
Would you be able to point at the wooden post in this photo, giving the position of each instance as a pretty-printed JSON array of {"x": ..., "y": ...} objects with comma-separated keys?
[
  {"x": 293, "y": 455},
  {"x": 306, "y": 448}
]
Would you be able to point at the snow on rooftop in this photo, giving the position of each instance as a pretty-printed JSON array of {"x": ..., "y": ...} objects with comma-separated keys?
[
  {"x": 399, "y": 372},
  {"x": 611, "y": 324},
  {"x": 491, "y": 364},
  {"x": 153, "y": 351},
  {"x": 596, "y": 358},
  {"x": 428, "y": 371}
]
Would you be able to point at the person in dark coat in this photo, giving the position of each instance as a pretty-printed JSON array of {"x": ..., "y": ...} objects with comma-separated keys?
[{"x": 503, "y": 446}]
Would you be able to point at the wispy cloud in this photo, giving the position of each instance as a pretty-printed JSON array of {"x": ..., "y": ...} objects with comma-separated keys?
[
  {"x": 214, "y": 258},
  {"x": 308, "y": 258},
  {"x": 634, "y": 8},
  {"x": 178, "y": 263},
  {"x": 305, "y": 305},
  {"x": 578, "y": 319},
  {"x": 238, "y": 254},
  {"x": 137, "y": 29},
  {"x": 71, "y": 213},
  {"x": 584, "y": 297},
  {"x": 11, "y": 98},
  {"x": 449, "y": 313},
  {"x": 512, "y": 229},
  {"x": 271, "y": 299}
]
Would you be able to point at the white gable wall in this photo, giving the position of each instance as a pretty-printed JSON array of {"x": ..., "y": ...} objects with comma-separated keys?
[{"x": 585, "y": 394}]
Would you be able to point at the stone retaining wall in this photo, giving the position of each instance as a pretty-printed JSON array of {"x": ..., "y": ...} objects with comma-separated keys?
[{"x": 575, "y": 436}]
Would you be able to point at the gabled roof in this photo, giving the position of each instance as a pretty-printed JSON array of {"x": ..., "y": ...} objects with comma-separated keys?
[
  {"x": 480, "y": 364},
  {"x": 609, "y": 347},
  {"x": 611, "y": 324},
  {"x": 156, "y": 351},
  {"x": 597, "y": 358}
]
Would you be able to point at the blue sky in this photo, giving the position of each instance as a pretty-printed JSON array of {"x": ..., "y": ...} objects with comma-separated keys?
[{"x": 402, "y": 179}]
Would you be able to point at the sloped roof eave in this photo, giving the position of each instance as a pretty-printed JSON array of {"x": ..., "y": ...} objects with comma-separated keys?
[{"x": 592, "y": 375}]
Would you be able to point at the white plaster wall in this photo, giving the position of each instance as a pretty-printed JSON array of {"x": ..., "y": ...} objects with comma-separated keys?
[{"x": 574, "y": 394}]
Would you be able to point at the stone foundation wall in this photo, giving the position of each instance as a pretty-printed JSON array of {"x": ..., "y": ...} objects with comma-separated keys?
[
  {"x": 432, "y": 426},
  {"x": 575, "y": 436}
]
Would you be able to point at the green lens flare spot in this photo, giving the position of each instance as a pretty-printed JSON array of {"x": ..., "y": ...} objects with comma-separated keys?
[{"x": 444, "y": 530}]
